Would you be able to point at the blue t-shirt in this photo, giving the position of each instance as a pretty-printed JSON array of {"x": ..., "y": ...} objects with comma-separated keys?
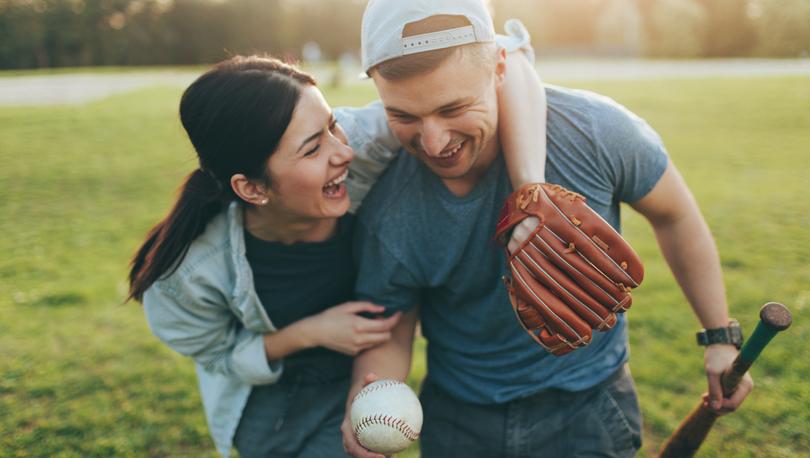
[{"x": 417, "y": 243}]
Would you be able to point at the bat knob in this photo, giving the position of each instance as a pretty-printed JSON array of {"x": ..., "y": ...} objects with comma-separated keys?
[{"x": 776, "y": 316}]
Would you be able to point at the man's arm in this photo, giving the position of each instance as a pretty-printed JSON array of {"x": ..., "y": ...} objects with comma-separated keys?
[
  {"x": 690, "y": 251},
  {"x": 391, "y": 360}
]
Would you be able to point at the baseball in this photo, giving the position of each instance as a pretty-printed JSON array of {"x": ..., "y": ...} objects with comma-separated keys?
[{"x": 386, "y": 416}]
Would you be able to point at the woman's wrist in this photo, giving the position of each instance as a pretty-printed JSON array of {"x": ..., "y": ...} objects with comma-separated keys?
[
  {"x": 304, "y": 331},
  {"x": 288, "y": 340}
]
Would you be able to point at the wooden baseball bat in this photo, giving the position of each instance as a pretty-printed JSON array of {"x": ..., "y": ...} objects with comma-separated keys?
[{"x": 684, "y": 442}]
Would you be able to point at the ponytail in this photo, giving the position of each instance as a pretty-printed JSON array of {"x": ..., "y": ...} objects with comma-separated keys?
[{"x": 200, "y": 199}]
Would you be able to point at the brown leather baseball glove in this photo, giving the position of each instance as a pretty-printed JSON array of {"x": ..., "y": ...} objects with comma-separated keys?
[{"x": 573, "y": 274}]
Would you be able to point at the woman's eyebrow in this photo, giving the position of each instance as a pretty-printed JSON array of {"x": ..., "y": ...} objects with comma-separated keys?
[{"x": 309, "y": 139}]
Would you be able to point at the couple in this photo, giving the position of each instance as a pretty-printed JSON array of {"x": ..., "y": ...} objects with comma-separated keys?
[{"x": 262, "y": 273}]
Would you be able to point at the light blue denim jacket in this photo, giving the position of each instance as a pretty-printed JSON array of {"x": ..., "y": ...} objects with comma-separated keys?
[{"x": 208, "y": 308}]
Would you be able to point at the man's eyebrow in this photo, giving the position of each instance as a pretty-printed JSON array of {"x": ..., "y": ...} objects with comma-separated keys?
[
  {"x": 453, "y": 104},
  {"x": 457, "y": 103},
  {"x": 396, "y": 111}
]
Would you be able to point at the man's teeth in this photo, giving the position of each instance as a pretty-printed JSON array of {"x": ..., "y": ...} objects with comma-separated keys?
[
  {"x": 338, "y": 180},
  {"x": 452, "y": 151}
]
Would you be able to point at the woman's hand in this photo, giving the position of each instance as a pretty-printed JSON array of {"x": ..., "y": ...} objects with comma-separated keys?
[
  {"x": 341, "y": 329},
  {"x": 522, "y": 232}
]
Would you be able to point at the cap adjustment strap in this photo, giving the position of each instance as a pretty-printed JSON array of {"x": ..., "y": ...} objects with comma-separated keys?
[{"x": 438, "y": 40}]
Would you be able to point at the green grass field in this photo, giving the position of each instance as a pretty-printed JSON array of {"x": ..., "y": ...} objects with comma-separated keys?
[{"x": 81, "y": 375}]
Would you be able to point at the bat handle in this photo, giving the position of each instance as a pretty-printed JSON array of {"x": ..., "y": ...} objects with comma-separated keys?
[
  {"x": 773, "y": 318},
  {"x": 685, "y": 441}
]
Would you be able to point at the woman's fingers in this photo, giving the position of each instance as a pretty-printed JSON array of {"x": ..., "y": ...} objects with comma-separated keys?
[
  {"x": 359, "y": 307},
  {"x": 377, "y": 324},
  {"x": 522, "y": 232},
  {"x": 372, "y": 339}
]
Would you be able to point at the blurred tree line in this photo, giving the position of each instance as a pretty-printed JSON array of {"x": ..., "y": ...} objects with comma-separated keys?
[{"x": 57, "y": 33}]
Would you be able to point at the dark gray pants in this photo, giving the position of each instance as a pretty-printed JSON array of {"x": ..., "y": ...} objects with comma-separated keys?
[
  {"x": 293, "y": 418},
  {"x": 603, "y": 421}
]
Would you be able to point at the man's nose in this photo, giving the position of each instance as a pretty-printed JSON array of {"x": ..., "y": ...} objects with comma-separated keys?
[{"x": 433, "y": 137}]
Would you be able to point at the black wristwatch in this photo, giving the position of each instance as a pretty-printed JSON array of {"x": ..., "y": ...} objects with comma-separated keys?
[{"x": 731, "y": 334}]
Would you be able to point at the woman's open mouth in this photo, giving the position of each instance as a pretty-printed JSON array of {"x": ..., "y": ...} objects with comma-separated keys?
[{"x": 336, "y": 189}]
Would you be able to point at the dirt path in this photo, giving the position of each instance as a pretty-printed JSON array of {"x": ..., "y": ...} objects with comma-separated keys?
[{"x": 77, "y": 88}]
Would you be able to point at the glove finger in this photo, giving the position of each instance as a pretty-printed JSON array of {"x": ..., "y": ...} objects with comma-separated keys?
[
  {"x": 585, "y": 305},
  {"x": 612, "y": 296},
  {"x": 558, "y": 317},
  {"x": 533, "y": 324},
  {"x": 554, "y": 344},
  {"x": 577, "y": 223}
]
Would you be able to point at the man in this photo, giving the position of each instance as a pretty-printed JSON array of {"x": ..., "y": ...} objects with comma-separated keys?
[{"x": 424, "y": 246}]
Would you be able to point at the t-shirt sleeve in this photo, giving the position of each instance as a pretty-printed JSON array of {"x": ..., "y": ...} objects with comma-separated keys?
[
  {"x": 382, "y": 278},
  {"x": 631, "y": 150},
  {"x": 374, "y": 145}
]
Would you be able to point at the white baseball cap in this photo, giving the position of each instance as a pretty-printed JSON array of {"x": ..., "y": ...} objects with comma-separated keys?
[{"x": 384, "y": 22}]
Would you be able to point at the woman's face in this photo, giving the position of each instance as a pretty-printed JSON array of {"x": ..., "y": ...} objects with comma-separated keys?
[{"x": 308, "y": 170}]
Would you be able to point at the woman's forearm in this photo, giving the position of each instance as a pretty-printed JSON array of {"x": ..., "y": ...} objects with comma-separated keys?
[
  {"x": 287, "y": 341},
  {"x": 522, "y": 121}
]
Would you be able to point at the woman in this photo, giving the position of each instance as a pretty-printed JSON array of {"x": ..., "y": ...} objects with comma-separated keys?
[{"x": 251, "y": 271}]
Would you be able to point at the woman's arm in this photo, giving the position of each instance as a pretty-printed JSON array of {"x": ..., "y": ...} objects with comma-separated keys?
[
  {"x": 522, "y": 130},
  {"x": 339, "y": 328},
  {"x": 374, "y": 145},
  {"x": 207, "y": 331},
  {"x": 190, "y": 320},
  {"x": 521, "y": 109},
  {"x": 522, "y": 121}
]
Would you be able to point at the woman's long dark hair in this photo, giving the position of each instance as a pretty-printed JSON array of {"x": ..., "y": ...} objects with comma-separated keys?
[{"x": 235, "y": 115}]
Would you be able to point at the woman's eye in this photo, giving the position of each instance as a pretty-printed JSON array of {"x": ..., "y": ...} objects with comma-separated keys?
[
  {"x": 312, "y": 151},
  {"x": 333, "y": 126}
]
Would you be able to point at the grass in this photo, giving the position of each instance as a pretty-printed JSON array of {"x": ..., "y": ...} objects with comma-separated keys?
[{"x": 81, "y": 375}]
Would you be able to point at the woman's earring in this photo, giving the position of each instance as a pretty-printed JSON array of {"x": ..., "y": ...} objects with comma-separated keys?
[{"x": 264, "y": 202}]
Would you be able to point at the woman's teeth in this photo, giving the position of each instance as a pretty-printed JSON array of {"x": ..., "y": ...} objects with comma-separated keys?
[
  {"x": 338, "y": 180},
  {"x": 333, "y": 187},
  {"x": 453, "y": 151}
]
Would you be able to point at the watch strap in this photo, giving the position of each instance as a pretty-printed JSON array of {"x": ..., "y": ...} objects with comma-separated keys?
[{"x": 731, "y": 334}]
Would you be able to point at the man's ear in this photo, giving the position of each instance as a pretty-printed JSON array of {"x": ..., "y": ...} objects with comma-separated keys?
[
  {"x": 249, "y": 190},
  {"x": 500, "y": 65}
]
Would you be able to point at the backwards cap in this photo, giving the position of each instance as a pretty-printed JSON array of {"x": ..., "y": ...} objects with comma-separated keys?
[{"x": 384, "y": 22}]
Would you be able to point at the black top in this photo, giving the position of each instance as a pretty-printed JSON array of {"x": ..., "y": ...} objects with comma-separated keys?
[{"x": 303, "y": 279}]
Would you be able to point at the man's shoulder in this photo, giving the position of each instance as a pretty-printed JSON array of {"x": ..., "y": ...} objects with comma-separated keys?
[
  {"x": 394, "y": 194},
  {"x": 585, "y": 117},
  {"x": 590, "y": 105}
]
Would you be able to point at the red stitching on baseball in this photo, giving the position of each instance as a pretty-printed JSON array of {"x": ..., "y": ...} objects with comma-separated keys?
[
  {"x": 371, "y": 388},
  {"x": 387, "y": 420}
]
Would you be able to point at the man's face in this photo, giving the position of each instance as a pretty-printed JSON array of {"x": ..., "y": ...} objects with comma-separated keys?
[{"x": 448, "y": 117}]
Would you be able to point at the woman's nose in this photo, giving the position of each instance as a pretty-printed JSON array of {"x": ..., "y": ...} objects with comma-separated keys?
[{"x": 343, "y": 153}]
